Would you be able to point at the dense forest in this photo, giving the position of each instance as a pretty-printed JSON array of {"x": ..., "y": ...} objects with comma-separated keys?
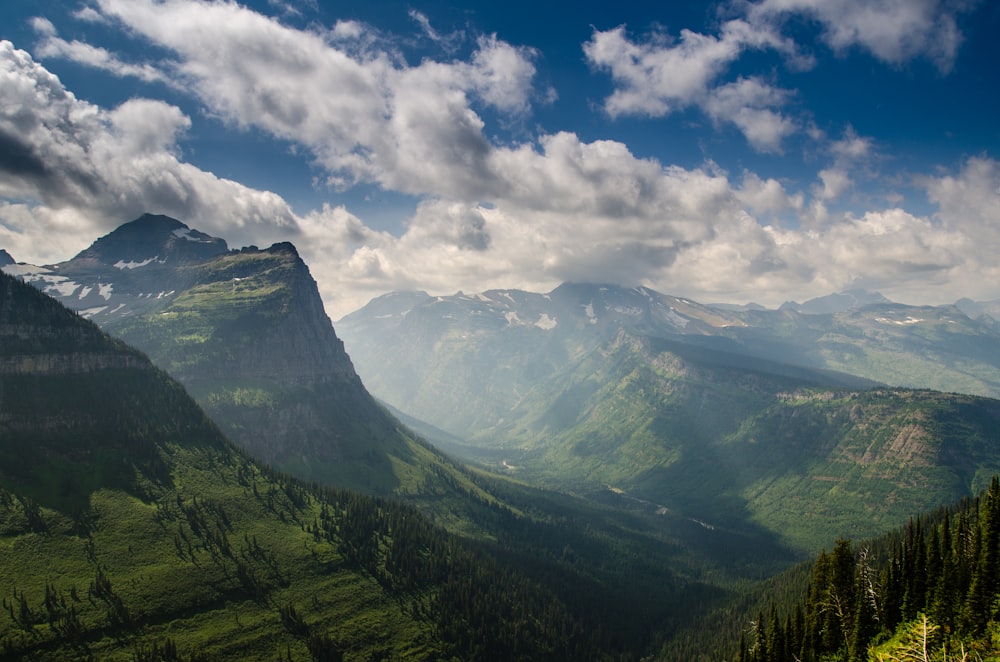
[{"x": 930, "y": 591}]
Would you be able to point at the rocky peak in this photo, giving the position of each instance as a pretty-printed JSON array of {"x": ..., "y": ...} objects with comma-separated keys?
[
  {"x": 5, "y": 258},
  {"x": 151, "y": 238}
]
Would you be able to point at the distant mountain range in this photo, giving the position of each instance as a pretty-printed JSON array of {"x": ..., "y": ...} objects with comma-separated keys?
[{"x": 739, "y": 418}]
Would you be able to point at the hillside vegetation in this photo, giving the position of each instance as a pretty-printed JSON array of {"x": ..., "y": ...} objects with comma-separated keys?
[
  {"x": 736, "y": 442},
  {"x": 131, "y": 529},
  {"x": 928, "y": 591}
]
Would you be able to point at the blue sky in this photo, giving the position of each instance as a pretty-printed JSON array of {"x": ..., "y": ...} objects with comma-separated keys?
[{"x": 734, "y": 151}]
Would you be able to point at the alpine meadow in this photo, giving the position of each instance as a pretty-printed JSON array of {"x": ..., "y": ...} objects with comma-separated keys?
[{"x": 500, "y": 331}]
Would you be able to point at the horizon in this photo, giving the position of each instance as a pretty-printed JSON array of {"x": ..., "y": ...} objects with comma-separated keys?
[{"x": 733, "y": 152}]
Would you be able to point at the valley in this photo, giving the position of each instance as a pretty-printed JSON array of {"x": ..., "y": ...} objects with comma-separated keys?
[{"x": 592, "y": 473}]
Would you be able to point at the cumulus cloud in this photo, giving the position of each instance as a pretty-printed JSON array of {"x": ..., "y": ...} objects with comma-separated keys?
[
  {"x": 365, "y": 116},
  {"x": 749, "y": 104},
  {"x": 489, "y": 216},
  {"x": 68, "y": 163},
  {"x": 659, "y": 76},
  {"x": 894, "y": 31}
]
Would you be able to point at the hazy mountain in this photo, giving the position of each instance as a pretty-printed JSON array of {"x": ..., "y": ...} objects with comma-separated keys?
[
  {"x": 836, "y": 303},
  {"x": 688, "y": 407},
  {"x": 131, "y": 529},
  {"x": 486, "y": 351},
  {"x": 463, "y": 362},
  {"x": 246, "y": 333},
  {"x": 936, "y": 347},
  {"x": 979, "y": 309}
]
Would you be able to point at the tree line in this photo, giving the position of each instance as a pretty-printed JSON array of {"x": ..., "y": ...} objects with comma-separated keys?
[{"x": 926, "y": 592}]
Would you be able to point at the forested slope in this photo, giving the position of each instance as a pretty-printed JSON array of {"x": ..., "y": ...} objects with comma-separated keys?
[
  {"x": 928, "y": 591},
  {"x": 131, "y": 529}
]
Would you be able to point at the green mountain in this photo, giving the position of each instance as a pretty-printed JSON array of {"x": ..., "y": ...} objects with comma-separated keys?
[
  {"x": 131, "y": 529},
  {"x": 246, "y": 333},
  {"x": 653, "y": 397},
  {"x": 736, "y": 442}
]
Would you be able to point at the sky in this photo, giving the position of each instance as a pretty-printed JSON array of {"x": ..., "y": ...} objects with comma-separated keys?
[{"x": 737, "y": 151}]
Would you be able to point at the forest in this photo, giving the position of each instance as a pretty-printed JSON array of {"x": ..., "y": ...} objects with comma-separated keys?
[{"x": 928, "y": 592}]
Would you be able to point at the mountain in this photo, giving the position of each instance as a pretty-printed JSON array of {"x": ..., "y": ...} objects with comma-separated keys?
[
  {"x": 686, "y": 407},
  {"x": 511, "y": 339},
  {"x": 246, "y": 333},
  {"x": 463, "y": 362},
  {"x": 5, "y": 258},
  {"x": 836, "y": 303},
  {"x": 130, "y": 528},
  {"x": 979, "y": 309},
  {"x": 936, "y": 347}
]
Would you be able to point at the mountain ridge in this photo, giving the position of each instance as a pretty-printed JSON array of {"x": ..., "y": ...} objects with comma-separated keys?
[{"x": 245, "y": 331}]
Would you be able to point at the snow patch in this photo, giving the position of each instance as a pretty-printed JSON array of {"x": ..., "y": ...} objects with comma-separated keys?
[
  {"x": 90, "y": 312},
  {"x": 85, "y": 291},
  {"x": 907, "y": 322},
  {"x": 23, "y": 270},
  {"x": 105, "y": 291},
  {"x": 185, "y": 233},
  {"x": 60, "y": 285},
  {"x": 546, "y": 323},
  {"x": 589, "y": 309},
  {"x": 132, "y": 264},
  {"x": 117, "y": 308},
  {"x": 512, "y": 318}
]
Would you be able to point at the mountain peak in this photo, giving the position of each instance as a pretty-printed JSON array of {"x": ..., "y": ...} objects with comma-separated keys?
[
  {"x": 836, "y": 303},
  {"x": 5, "y": 258},
  {"x": 153, "y": 237}
]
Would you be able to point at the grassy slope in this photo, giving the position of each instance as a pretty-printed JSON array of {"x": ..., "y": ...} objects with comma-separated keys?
[{"x": 742, "y": 448}]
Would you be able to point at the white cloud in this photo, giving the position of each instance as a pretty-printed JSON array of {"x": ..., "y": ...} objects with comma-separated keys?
[
  {"x": 747, "y": 103},
  {"x": 835, "y": 182},
  {"x": 365, "y": 116},
  {"x": 657, "y": 77},
  {"x": 68, "y": 164},
  {"x": 894, "y": 31},
  {"x": 52, "y": 45},
  {"x": 529, "y": 215}
]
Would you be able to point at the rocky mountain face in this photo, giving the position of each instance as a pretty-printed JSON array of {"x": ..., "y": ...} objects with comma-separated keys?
[{"x": 245, "y": 331}]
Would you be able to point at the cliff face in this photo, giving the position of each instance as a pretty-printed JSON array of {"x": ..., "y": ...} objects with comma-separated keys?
[
  {"x": 38, "y": 337},
  {"x": 246, "y": 333}
]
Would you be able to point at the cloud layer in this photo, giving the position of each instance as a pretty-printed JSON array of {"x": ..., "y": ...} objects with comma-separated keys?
[{"x": 491, "y": 215}]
